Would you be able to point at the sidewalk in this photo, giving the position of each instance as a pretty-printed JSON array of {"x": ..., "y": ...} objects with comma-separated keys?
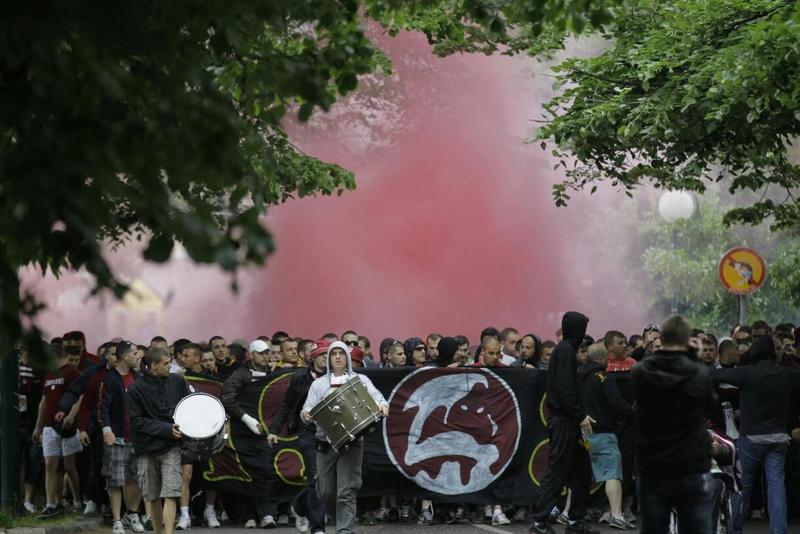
[{"x": 79, "y": 525}]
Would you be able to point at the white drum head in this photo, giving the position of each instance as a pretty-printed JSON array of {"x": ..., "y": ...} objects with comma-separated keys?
[{"x": 199, "y": 415}]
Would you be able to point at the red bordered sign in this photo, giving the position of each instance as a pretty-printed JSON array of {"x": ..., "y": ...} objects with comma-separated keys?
[{"x": 742, "y": 271}]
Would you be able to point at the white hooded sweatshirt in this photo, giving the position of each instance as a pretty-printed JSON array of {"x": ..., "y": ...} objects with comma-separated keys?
[{"x": 327, "y": 382}]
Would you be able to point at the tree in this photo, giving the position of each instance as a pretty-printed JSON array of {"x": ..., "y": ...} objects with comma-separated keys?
[
  {"x": 679, "y": 262},
  {"x": 688, "y": 93},
  {"x": 162, "y": 122}
]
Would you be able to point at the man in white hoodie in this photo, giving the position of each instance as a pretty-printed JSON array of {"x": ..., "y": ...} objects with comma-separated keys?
[{"x": 339, "y": 473}]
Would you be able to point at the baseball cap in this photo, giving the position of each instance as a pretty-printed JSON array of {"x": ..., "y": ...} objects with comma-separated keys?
[
  {"x": 258, "y": 346},
  {"x": 357, "y": 355},
  {"x": 322, "y": 348}
]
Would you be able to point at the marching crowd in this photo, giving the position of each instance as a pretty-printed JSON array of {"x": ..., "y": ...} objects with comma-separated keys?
[{"x": 668, "y": 420}]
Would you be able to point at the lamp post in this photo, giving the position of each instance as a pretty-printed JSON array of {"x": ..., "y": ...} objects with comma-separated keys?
[{"x": 674, "y": 206}]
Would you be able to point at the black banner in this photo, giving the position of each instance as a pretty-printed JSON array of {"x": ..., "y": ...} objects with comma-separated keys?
[{"x": 469, "y": 435}]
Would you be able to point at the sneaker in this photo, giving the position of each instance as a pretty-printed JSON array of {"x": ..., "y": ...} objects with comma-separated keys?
[
  {"x": 629, "y": 516},
  {"x": 184, "y": 523},
  {"x": 499, "y": 518},
  {"x": 487, "y": 512},
  {"x": 618, "y": 523},
  {"x": 554, "y": 513},
  {"x": 117, "y": 528},
  {"x": 251, "y": 523},
  {"x": 605, "y": 518},
  {"x": 367, "y": 519},
  {"x": 300, "y": 522},
  {"x": 267, "y": 522},
  {"x": 223, "y": 518},
  {"x": 541, "y": 528},
  {"x": 520, "y": 514},
  {"x": 77, "y": 507},
  {"x": 133, "y": 522},
  {"x": 283, "y": 520},
  {"x": 90, "y": 508},
  {"x": 148, "y": 523},
  {"x": 405, "y": 513},
  {"x": 211, "y": 518},
  {"x": 580, "y": 527},
  {"x": 48, "y": 512},
  {"x": 29, "y": 507},
  {"x": 562, "y": 519},
  {"x": 426, "y": 517},
  {"x": 380, "y": 514}
]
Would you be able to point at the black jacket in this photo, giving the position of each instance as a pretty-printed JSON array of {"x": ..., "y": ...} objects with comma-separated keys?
[
  {"x": 563, "y": 394},
  {"x": 675, "y": 399},
  {"x": 293, "y": 400},
  {"x": 230, "y": 391},
  {"x": 112, "y": 402},
  {"x": 601, "y": 399},
  {"x": 151, "y": 404},
  {"x": 765, "y": 389}
]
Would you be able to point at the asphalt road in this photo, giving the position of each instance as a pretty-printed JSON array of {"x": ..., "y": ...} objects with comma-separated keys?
[{"x": 752, "y": 527}]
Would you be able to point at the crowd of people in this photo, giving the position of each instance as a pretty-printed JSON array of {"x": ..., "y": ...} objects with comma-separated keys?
[{"x": 668, "y": 421}]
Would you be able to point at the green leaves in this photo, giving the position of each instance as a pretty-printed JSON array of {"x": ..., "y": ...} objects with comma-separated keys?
[{"x": 687, "y": 87}]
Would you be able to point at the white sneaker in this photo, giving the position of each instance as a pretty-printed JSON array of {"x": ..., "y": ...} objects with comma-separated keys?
[
  {"x": 117, "y": 528},
  {"x": 135, "y": 524},
  {"x": 487, "y": 511},
  {"x": 90, "y": 508},
  {"x": 211, "y": 518},
  {"x": 499, "y": 518},
  {"x": 300, "y": 522},
  {"x": 251, "y": 523},
  {"x": 184, "y": 523},
  {"x": 380, "y": 514},
  {"x": 223, "y": 518},
  {"x": 267, "y": 522},
  {"x": 29, "y": 507}
]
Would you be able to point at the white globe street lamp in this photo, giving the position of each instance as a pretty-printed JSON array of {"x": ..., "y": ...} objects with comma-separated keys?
[{"x": 676, "y": 205}]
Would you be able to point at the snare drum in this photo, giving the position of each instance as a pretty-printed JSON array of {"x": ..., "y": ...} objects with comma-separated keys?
[
  {"x": 201, "y": 419},
  {"x": 346, "y": 413}
]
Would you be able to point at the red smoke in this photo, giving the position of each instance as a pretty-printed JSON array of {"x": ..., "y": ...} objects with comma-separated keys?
[{"x": 451, "y": 229}]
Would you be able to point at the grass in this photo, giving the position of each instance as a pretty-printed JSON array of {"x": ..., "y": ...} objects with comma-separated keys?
[{"x": 30, "y": 521}]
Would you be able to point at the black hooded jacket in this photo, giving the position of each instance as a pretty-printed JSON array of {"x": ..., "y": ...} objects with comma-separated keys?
[
  {"x": 601, "y": 398},
  {"x": 675, "y": 400},
  {"x": 563, "y": 391},
  {"x": 765, "y": 389}
]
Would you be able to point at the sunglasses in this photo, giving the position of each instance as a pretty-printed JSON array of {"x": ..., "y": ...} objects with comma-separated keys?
[
  {"x": 652, "y": 327},
  {"x": 351, "y": 343}
]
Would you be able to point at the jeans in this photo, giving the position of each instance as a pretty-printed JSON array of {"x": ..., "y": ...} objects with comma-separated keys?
[
  {"x": 338, "y": 482},
  {"x": 690, "y": 495},
  {"x": 773, "y": 457}
]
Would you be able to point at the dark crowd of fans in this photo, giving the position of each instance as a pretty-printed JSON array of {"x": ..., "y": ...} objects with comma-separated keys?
[{"x": 79, "y": 452}]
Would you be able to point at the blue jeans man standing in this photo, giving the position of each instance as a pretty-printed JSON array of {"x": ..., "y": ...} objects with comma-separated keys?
[{"x": 752, "y": 454}]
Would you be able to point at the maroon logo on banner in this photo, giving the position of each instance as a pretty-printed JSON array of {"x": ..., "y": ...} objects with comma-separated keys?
[{"x": 452, "y": 431}]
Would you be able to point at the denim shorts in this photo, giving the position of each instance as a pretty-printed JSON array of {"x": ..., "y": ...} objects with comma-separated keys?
[{"x": 605, "y": 457}]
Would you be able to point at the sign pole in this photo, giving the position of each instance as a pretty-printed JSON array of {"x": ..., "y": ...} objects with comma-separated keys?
[{"x": 742, "y": 308}]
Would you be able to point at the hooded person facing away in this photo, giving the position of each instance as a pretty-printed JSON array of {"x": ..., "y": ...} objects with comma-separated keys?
[
  {"x": 339, "y": 473},
  {"x": 675, "y": 400},
  {"x": 568, "y": 462}
]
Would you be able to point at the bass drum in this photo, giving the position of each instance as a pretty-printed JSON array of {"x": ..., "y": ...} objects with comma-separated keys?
[
  {"x": 346, "y": 413},
  {"x": 201, "y": 419}
]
